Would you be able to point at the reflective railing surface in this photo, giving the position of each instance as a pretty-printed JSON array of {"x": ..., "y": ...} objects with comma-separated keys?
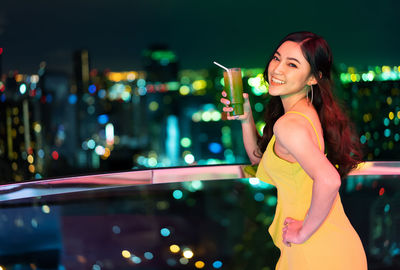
[{"x": 208, "y": 217}]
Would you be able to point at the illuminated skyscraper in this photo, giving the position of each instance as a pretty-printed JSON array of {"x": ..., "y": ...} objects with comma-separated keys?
[{"x": 17, "y": 139}]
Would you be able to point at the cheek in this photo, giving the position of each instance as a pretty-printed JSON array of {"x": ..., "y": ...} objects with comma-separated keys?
[{"x": 271, "y": 67}]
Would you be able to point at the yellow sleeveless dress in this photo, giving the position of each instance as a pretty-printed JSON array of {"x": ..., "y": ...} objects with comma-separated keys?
[{"x": 334, "y": 246}]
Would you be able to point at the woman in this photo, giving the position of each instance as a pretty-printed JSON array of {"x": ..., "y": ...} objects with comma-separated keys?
[{"x": 303, "y": 122}]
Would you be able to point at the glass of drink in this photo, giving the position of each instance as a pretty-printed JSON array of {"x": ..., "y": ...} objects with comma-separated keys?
[{"x": 234, "y": 89}]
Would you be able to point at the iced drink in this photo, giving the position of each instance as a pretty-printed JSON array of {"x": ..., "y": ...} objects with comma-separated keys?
[{"x": 234, "y": 89}]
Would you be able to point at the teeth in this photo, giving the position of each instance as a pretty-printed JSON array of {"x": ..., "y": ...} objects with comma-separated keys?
[{"x": 277, "y": 81}]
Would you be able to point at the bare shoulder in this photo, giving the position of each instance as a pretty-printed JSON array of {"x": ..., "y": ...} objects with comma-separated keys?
[{"x": 290, "y": 126}]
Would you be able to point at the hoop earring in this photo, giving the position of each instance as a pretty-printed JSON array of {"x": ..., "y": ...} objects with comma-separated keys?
[{"x": 312, "y": 94}]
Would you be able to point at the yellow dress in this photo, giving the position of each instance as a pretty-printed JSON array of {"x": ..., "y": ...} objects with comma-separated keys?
[{"x": 335, "y": 245}]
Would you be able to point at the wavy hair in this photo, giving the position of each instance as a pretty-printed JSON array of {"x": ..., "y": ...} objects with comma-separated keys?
[{"x": 342, "y": 145}]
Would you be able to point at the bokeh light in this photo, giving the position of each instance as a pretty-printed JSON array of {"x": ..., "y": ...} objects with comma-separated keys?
[
  {"x": 174, "y": 248},
  {"x": 187, "y": 253},
  {"x": 165, "y": 232},
  {"x": 126, "y": 254}
]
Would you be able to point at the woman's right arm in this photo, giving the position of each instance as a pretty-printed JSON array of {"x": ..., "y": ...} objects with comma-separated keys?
[{"x": 249, "y": 130}]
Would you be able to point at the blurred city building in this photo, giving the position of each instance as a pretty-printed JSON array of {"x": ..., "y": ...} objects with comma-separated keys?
[{"x": 373, "y": 98}]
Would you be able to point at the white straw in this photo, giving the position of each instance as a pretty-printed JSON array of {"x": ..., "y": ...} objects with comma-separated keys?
[{"x": 227, "y": 70}]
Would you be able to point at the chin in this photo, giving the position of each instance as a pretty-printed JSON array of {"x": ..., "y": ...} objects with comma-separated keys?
[{"x": 273, "y": 92}]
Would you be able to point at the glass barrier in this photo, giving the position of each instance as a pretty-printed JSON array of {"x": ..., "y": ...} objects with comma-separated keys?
[{"x": 211, "y": 217}]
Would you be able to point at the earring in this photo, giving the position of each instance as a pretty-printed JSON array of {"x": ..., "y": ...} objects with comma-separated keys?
[{"x": 312, "y": 94}]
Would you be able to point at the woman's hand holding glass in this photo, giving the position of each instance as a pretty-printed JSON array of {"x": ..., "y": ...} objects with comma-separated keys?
[{"x": 246, "y": 108}]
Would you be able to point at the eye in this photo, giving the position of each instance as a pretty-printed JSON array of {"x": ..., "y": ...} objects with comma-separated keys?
[
  {"x": 275, "y": 58},
  {"x": 292, "y": 65}
]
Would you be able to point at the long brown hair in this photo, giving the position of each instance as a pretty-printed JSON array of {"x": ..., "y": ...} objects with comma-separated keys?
[{"x": 342, "y": 144}]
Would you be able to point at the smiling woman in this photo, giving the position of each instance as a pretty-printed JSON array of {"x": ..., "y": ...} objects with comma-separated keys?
[{"x": 310, "y": 226}]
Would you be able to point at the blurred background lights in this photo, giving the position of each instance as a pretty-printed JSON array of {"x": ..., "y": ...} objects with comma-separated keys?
[
  {"x": 142, "y": 91},
  {"x": 165, "y": 232},
  {"x": 100, "y": 150},
  {"x": 186, "y": 142},
  {"x": 22, "y": 88},
  {"x": 386, "y": 122},
  {"x": 183, "y": 260},
  {"x": 199, "y": 264},
  {"x": 102, "y": 93},
  {"x": 96, "y": 267},
  {"x": 260, "y": 126},
  {"x": 199, "y": 84},
  {"x": 196, "y": 117},
  {"x": 187, "y": 253},
  {"x": 102, "y": 119},
  {"x": 206, "y": 116},
  {"x": 215, "y": 148},
  {"x": 34, "y": 223},
  {"x": 49, "y": 98},
  {"x": 54, "y": 155},
  {"x": 254, "y": 181},
  {"x": 259, "y": 197},
  {"x": 217, "y": 264},
  {"x": 363, "y": 139},
  {"x": 84, "y": 146},
  {"x": 92, "y": 89},
  {"x": 126, "y": 254},
  {"x": 177, "y": 194},
  {"x": 259, "y": 107},
  {"x": 72, "y": 99},
  {"x": 136, "y": 259},
  {"x": 271, "y": 201},
  {"x": 189, "y": 158},
  {"x": 131, "y": 76},
  {"x": 116, "y": 229},
  {"x": 216, "y": 116},
  {"x": 110, "y": 134},
  {"x": 148, "y": 255},
  {"x": 153, "y": 106},
  {"x": 152, "y": 162},
  {"x": 197, "y": 185},
  {"x": 46, "y": 209},
  {"x": 184, "y": 90},
  {"x": 91, "y": 144},
  {"x": 174, "y": 248}
]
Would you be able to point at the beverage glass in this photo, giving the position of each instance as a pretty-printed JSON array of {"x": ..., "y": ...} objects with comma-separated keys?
[{"x": 234, "y": 89}]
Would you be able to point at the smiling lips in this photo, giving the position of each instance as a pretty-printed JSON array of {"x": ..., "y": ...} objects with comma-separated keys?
[{"x": 275, "y": 81}]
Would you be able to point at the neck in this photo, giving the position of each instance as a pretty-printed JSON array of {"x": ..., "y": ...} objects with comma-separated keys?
[{"x": 289, "y": 102}]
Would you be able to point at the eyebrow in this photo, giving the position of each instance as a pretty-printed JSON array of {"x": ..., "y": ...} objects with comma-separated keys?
[{"x": 290, "y": 58}]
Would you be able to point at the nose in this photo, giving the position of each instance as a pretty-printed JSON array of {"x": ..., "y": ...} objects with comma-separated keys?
[{"x": 277, "y": 68}]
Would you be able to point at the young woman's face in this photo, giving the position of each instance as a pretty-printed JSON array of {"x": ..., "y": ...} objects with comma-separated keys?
[{"x": 288, "y": 72}]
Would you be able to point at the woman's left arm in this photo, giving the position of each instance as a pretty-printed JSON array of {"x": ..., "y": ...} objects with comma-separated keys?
[{"x": 326, "y": 181}]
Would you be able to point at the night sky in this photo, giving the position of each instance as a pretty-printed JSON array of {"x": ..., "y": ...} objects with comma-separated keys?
[{"x": 116, "y": 32}]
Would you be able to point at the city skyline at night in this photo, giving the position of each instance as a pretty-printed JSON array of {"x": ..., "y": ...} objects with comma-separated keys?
[{"x": 360, "y": 33}]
